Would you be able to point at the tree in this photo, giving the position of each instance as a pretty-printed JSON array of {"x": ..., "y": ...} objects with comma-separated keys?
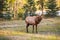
[
  {"x": 17, "y": 10},
  {"x": 1, "y": 5},
  {"x": 41, "y": 3},
  {"x": 29, "y": 8},
  {"x": 14, "y": 7},
  {"x": 52, "y": 8},
  {"x": 31, "y": 5},
  {"x": 5, "y": 9},
  {"x": 1, "y": 8},
  {"x": 6, "y": 6}
]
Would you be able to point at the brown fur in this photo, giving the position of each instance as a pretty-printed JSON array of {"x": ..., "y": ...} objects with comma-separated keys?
[{"x": 32, "y": 20}]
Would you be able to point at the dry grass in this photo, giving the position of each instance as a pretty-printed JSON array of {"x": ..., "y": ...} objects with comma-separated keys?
[
  {"x": 45, "y": 28},
  {"x": 28, "y": 35}
]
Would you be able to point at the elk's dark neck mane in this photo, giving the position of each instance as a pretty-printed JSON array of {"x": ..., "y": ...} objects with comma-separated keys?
[{"x": 38, "y": 19}]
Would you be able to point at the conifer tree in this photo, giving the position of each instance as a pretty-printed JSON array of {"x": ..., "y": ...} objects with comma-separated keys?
[{"x": 52, "y": 8}]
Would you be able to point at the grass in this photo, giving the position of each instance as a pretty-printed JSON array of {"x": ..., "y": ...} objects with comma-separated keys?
[
  {"x": 4, "y": 38},
  {"x": 11, "y": 33},
  {"x": 4, "y": 33},
  {"x": 39, "y": 38},
  {"x": 47, "y": 30},
  {"x": 41, "y": 28}
]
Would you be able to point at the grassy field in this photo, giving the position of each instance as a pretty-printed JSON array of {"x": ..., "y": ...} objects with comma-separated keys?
[{"x": 48, "y": 29}]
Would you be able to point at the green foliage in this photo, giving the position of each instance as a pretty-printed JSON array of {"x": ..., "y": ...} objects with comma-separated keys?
[
  {"x": 29, "y": 8},
  {"x": 41, "y": 2},
  {"x": 6, "y": 6},
  {"x": 7, "y": 16},
  {"x": 1, "y": 5},
  {"x": 20, "y": 13},
  {"x": 31, "y": 4},
  {"x": 1, "y": 15},
  {"x": 52, "y": 8}
]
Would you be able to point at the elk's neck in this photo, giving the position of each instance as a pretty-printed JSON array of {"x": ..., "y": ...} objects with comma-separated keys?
[{"x": 38, "y": 20}]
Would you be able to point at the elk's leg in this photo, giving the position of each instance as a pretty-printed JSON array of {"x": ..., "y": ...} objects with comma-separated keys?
[
  {"x": 27, "y": 28},
  {"x": 33, "y": 29},
  {"x": 36, "y": 28}
]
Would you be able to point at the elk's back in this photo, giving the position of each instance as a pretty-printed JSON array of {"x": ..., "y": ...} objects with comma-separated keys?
[{"x": 30, "y": 20}]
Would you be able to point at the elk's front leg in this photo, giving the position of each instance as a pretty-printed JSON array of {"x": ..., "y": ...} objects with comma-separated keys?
[
  {"x": 36, "y": 28},
  {"x": 33, "y": 29},
  {"x": 27, "y": 28}
]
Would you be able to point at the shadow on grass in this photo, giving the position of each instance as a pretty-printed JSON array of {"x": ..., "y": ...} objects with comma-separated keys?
[{"x": 4, "y": 38}]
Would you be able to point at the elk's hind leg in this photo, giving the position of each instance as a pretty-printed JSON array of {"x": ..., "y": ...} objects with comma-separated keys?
[{"x": 27, "y": 28}]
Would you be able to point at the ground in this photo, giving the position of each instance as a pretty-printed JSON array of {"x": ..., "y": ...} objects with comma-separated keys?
[{"x": 48, "y": 29}]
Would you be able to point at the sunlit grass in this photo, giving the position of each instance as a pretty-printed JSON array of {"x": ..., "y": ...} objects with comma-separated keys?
[
  {"x": 39, "y": 38},
  {"x": 45, "y": 37},
  {"x": 31, "y": 36},
  {"x": 49, "y": 27},
  {"x": 10, "y": 33},
  {"x": 43, "y": 31}
]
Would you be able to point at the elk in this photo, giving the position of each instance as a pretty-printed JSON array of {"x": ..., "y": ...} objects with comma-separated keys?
[{"x": 32, "y": 20}]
